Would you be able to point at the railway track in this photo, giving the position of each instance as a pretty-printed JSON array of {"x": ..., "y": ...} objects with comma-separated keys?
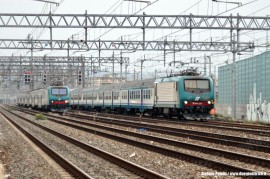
[
  {"x": 246, "y": 143},
  {"x": 208, "y": 150},
  {"x": 252, "y": 129},
  {"x": 68, "y": 166},
  {"x": 77, "y": 172},
  {"x": 259, "y": 145}
]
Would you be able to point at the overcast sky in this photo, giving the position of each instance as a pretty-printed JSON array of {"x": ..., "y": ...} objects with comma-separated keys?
[{"x": 159, "y": 7}]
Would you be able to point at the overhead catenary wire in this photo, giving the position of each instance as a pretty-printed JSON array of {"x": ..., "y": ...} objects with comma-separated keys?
[{"x": 208, "y": 30}]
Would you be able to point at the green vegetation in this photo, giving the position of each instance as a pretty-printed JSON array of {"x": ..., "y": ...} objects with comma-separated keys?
[{"x": 40, "y": 116}]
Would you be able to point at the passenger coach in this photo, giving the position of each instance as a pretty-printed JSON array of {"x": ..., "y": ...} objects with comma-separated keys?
[{"x": 181, "y": 97}]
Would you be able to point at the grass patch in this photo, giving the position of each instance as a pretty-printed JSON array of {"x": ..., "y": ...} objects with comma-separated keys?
[{"x": 40, "y": 116}]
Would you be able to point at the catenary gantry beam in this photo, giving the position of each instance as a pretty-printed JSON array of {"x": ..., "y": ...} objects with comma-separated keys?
[
  {"x": 121, "y": 45},
  {"x": 62, "y": 60},
  {"x": 135, "y": 21}
]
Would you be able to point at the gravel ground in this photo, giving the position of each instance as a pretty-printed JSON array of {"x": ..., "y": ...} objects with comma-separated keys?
[
  {"x": 167, "y": 166},
  {"x": 232, "y": 149},
  {"x": 212, "y": 157},
  {"x": 19, "y": 159},
  {"x": 219, "y": 131},
  {"x": 94, "y": 166},
  {"x": 188, "y": 140},
  {"x": 206, "y": 129}
]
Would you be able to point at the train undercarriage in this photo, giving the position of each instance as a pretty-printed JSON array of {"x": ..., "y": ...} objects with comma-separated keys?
[{"x": 167, "y": 113}]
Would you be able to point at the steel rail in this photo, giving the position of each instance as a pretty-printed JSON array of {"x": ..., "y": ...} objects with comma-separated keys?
[
  {"x": 139, "y": 170},
  {"x": 68, "y": 166},
  {"x": 245, "y": 143},
  {"x": 260, "y": 130},
  {"x": 209, "y": 150},
  {"x": 208, "y": 124},
  {"x": 184, "y": 156},
  {"x": 176, "y": 131}
]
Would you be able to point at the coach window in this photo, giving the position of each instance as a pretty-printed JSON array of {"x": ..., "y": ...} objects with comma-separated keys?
[
  {"x": 125, "y": 94},
  {"x": 88, "y": 96},
  {"x": 100, "y": 95},
  {"x": 146, "y": 94},
  {"x": 115, "y": 95},
  {"x": 108, "y": 95},
  {"x": 95, "y": 96},
  {"x": 131, "y": 95}
]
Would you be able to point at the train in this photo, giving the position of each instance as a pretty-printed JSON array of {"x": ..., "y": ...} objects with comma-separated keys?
[
  {"x": 51, "y": 98},
  {"x": 183, "y": 97}
]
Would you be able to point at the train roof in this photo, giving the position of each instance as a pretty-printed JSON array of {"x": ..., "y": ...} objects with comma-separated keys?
[
  {"x": 102, "y": 88},
  {"x": 148, "y": 83},
  {"x": 88, "y": 89},
  {"x": 177, "y": 78},
  {"x": 112, "y": 87}
]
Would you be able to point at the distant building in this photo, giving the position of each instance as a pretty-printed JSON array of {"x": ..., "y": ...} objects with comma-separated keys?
[{"x": 252, "y": 81}]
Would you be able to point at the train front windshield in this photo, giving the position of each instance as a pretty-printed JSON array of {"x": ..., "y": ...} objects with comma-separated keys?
[
  {"x": 197, "y": 85},
  {"x": 59, "y": 91}
]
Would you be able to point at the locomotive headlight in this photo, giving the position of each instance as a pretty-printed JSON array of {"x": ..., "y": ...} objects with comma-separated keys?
[
  {"x": 52, "y": 101},
  {"x": 209, "y": 102},
  {"x": 66, "y": 101},
  {"x": 185, "y": 102}
]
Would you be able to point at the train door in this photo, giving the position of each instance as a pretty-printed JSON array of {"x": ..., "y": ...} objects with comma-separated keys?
[
  {"x": 103, "y": 100},
  {"x": 86, "y": 96},
  {"x": 112, "y": 94},
  {"x": 128, "y": 95},
  {"x": 141, "y": 91}
]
